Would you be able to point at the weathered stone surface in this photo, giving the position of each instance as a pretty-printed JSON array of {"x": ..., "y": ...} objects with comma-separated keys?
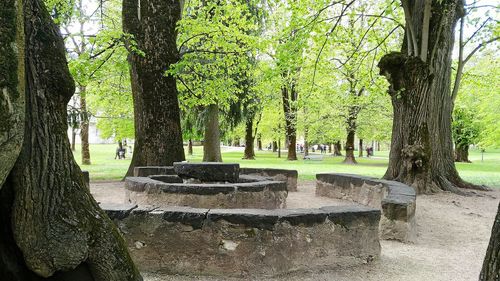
[
  {"x": 208, "y": 171},
  {"x": 167, "y": 178},
  {"x": 289, "y": 176},
  {"x": 247, "y": 242},
  {"x": 153, "y": 170},
  {"x": 262, "y": 194},
  {"x": 397, "y": 201},
  {"x": 117, "y": 211}
]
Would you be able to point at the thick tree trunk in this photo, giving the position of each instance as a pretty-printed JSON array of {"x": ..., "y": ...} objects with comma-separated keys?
[
  {"x": 249, "y": 139},
  {"x": 462, "y": 153},
  {"x": 12, "y": 84},
  {"x": 361, "y": 148},
  {"x": 211, "y": 145},
  {"x": 158, "y": 137},
  {"x": 421, "y": 149},
  {"x": 337, "y": 149},
  {"x": 84, "y": 127},
  {"x": 49, "y": 217},
  {"x": 190, "y": 147},
  {"x": 275, "y": 146},
  {"x": 491, "y": 264},
  {"x": 349, "y": 149},
  {"x": 289, "y": 95}
]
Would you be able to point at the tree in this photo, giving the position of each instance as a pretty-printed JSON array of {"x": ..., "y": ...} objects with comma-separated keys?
[
  {"x": 491, "y": 264},
  {"x": 419, "y": 76},
  {"x": 152, "y": 45},
  {"x": 52, "y": 225},
  {"x": 465, "y": 132}
]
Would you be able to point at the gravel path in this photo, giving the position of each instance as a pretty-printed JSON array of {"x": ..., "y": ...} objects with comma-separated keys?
[{"x": 453, "y": 233}]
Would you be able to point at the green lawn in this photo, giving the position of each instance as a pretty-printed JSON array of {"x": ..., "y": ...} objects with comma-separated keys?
[{"x": 105, "y": 167}]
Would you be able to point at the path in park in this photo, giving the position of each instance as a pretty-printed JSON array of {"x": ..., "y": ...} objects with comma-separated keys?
[{"x": 453, "y": 233}]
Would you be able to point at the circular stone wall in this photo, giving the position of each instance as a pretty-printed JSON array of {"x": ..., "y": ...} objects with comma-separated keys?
[{"x": 263, "y": 194}]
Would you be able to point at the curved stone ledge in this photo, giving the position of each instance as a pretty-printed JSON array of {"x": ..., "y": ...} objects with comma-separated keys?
[
  {"x": 208, "y": 171},
  {"x": 260, "y": 194},
  {"x": 397, "y": 201},
  {"x": 247, "y": 242},
  {"x": 289, "y": 176},
  {"x": 153, "y": 170}
]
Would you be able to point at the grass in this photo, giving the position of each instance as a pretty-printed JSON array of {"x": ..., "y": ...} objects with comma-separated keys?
[{"x": 105, "y": 167}]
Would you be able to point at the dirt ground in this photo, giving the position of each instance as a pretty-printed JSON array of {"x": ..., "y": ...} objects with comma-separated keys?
[{"x": 453, "y": 233}]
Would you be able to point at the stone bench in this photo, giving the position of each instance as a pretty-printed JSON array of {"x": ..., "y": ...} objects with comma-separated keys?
[
  {"x": 397, "y": 201},
  {"x": 247, "y": 242},
  {"x": 289, "y": 176},
  {"x": 258, "y": 194},
  {"x": 153, "y": 170}
]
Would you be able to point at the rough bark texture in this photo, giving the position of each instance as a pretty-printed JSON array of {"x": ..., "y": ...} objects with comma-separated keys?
[
  {"x": 12, "y": 84},
  {"x": 462, "y": 153},
  {"x": 337, "y": 149},
  {"x": 84, "y": 127},
  {"x": 421, "y": 147},
  {"x": 290, "y": 95},
  {"x": 349, "y": 149},
  {"x": 158, "y": 138},
  {"x": 491, "y": 264},
  {"x": 49, "y": 217},
  {"x": 211, "y": 144},
  {"x": 249, "y": 140}
]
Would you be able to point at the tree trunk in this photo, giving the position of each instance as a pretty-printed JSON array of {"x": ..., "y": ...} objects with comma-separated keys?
[
  {"x": 84, "y": 127},
  {"x": 259, "y": 142},
  {"x": 329, "y": 147},
  {"x": 361, "y": 148},
  {"x": 211, "y": 145},
  {"x": 190, "y": 147},
  {"x": 52, "y": 225},
  {"x": 349, "y": 149},
  {"x": 462, "y": 153},
  {"x": 275, "y": 146},
  {"x": 73, "y": 139},
  {"x": 421, "y": 149},
  {"x": 158, "y": 137},
  {"x": 279, "y": 148},
  {"x": 289, "y": 95},
  {"x": 306, "y": 142},
  {"x": 249, "y": 139},
  {"x": 491, "y": 264},
  {"x": 337, "y": 149},
  {"x": 12, "y": 84}
]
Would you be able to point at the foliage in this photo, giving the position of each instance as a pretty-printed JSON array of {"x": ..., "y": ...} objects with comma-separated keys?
[{"x": 464, "y": 128}]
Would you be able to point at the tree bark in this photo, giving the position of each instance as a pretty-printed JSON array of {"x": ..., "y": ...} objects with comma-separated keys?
[
  {"x": 249, "y": 140},
  {"x": 329, "y": 147},
  {"x": 84, "y": 127},
  {"x": 259, "y": 142},
  {"x": 421, "y": 148},
  {"x": 361, "y": 148},
  {"x": 52, "y": 225},
  {"x": 12, "y": 84},
  {"x": 306, "y": 142},
  {"x": 290, "y": 95},
  {"x": 337, "y": 149},
  {"x": 462, "y": 153},
  {"x": 275, "y": 146},
  {"x": 491, "y": 264},
  {"x": 73, "y": 139},
  {"x": 349, "y": 149},
  {"x": 211, "y": 145},
  {"x": 158, "y": 137}
]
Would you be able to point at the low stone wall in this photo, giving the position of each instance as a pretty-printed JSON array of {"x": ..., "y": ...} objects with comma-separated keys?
[
  {"x": 153, "y": 170},
  {"x": 262, "y": 194},
  {"x": 396, "y": 200},
  {"x": 247, "y": 242},
  {"x": 289, "y": 176}
]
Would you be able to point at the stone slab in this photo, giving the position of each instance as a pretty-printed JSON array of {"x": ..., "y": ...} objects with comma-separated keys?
[
  {"x": 208, "y": 171},
  {"x": 153, "y": 170}
]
